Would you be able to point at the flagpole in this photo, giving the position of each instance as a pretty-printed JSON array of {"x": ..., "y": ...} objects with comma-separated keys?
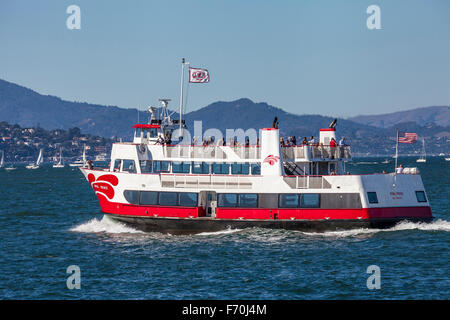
[
  {"x": 396, "y": 154},
  {"x": 181, "y": 93}
]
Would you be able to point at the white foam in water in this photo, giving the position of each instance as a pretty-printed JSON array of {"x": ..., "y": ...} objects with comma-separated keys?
[
  {"x": 219, "y": 232},
  {"x": 106, "y": 225},
  {"x": 438, "y": 225}
]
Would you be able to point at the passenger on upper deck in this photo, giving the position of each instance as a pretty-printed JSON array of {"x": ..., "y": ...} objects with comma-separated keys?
[
  {"x": 282, "y": 144},
  {"x": 341, "y": 142},
  {"x": 333, "y": 143},
  {"x": 305, "y": 141},
  {"x": 399, "y": 169},
  {"x": 312, "y": 141},
  {"x": 275, "y": 123}
]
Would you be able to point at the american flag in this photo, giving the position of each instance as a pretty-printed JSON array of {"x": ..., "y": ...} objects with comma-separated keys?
[{"x": 407, "y": 137}]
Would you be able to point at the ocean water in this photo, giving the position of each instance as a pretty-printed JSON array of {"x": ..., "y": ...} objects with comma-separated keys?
[{"x": 50, "y": 220}]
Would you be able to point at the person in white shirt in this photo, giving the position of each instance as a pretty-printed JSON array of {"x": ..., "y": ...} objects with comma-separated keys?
[
  {"x": 341, "y": 142},
  {"x": 399, "y": 169}
]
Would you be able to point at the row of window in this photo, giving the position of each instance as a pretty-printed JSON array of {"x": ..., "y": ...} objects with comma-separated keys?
[
  {"x": 149, "y": 166},
  {"x": 184, "y": 199},
  {"x": 250, "y": 200},
  {"x": 373, "y": 198}
]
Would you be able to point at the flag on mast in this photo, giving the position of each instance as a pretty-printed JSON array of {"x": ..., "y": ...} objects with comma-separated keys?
[
  {"x": 197, "y": 75},
  {"x": 407, "y": 137}
]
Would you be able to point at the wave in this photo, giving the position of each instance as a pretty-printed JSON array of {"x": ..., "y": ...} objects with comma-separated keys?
[
  {"x": 228, "y": 231},
  {"x": 106, "y": 225},
  {"x": 438, "y": 225}
]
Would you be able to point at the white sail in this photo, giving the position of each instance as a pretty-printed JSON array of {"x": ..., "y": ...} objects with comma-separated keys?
[
  {"x": 423, "y": 158},
  {"x": 84, "y": 155},
  {"x": 2, "y": 161},
  {"x": 40, "y": 158}
]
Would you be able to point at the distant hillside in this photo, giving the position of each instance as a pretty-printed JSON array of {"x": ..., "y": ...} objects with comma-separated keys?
[
  {"x": 27, "y": 108},
  {"x": 422, "y": 116},
  {"x": 19, "y": 105}
]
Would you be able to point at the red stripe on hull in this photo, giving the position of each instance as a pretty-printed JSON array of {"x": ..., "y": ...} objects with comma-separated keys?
[
  {"x": 160, "y": 211},
  {"x": 264, "y": 214}
]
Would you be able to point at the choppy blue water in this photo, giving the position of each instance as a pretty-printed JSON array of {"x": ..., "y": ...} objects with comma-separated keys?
[{"x": 50, "y": 219}]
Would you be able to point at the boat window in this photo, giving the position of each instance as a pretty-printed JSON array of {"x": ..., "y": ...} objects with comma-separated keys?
[
  {"x": 256, "y": 168},
  {"x": 146, "y": 166},
  {"x": 221, "y": 168},
  {"x": 248, "y": 200},
  {"x": 153, "y": 133},
  {"x": 288, "y": 201},
  {"x": 310, "y": 200},
  {"x": 129, "y": 166},
  {"x": 168, "y": 198},
  {"x": 180, "y": 167},
  {"x": 188, "y": 199},
  {"x": 227, "y": 200},
  {"x": 138, "y": 132},
  {"x": 420, "y": 195},
  {"x": 240, "y": 168},
  {"x": 372, "y": 196},
  {"x": 131, "y": 196},
  {"x": 160, "y": 166},
  {"x": 200, "y": 167},
  {"x": 148, "y": 198},
  {"x": 117, "y": 163}
]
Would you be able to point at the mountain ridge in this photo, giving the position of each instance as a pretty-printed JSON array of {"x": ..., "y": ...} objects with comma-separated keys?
[{"x": 23, "y": 106}]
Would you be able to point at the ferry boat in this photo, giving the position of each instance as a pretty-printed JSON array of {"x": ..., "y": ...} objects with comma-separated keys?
[{"x": 179, "y": 189}]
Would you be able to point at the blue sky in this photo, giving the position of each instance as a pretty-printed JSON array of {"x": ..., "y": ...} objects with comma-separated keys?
[{"x": 303, "y": 56}]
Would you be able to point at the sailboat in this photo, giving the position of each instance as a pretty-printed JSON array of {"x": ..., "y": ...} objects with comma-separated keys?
[
  {"x": 39, "y": 161},
  {"x": 59, "y": 164},
  {"x": 80, "y": 162},
  {"x": 424, "y": 155},
  {"x": 2, "y": 161}
]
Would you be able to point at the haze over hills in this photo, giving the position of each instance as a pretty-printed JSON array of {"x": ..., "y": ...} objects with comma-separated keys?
[
  {"x": 368, "y": 135},
  {"x": 422, "y": 116}
]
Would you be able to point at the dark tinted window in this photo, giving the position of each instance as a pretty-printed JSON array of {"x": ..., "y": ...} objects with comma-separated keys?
[
  {"x": 149, "y": 198},
  {"x": 372, "y": 196},
  {"x": 131, "y": 196},
  {"x": 420, "y": 195},
  {"x": 160, "y": 166},
  {"x": 180, "y": 167},
  {"x": 168, "y": 198},
  {"x": 256, "y": 168},
  {"x": 248, "y": 200},
  {"x": 188, "y": 199},
  {"x": 200, "y": 167},
  {"x": 288, "y": 201},
  {"x": 220, "y": 168},
  {"x": 227, "y": 200},
  {"x": 129, "y": 166},
  {"x": 240, "y": 168},
  {"x": 146, "y": 166},
  {"x": 310, "y": 200}
]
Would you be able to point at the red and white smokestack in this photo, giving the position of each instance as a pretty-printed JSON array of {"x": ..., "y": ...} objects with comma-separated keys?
[
  {"x": 271, "y": 162},
  {"x": 326, "y": 135}
]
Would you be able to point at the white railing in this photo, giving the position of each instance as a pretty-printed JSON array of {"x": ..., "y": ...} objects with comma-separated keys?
[
  {"x": 307, "y": 182},
  {"x": 202, "y": 181},
  {"x": 316, "y": 152}
]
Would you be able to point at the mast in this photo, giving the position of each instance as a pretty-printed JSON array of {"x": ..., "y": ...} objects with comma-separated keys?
[
  {"x": 396, "y": 154},
  {"x": 181, "y": 90}
]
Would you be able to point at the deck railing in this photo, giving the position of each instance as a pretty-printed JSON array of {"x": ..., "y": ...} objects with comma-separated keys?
[
  {"x": 202, "y": 181},
  {"x": 316, "y": 152},
  {"x": 307, "y": 182}
]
